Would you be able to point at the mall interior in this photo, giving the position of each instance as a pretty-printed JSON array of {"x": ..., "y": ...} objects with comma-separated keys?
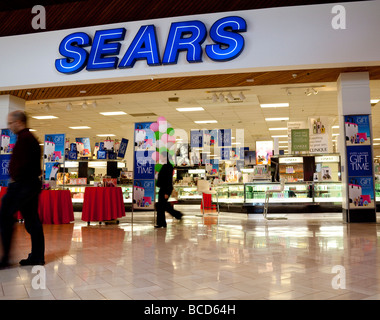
[{"x": 289, "y": 147}]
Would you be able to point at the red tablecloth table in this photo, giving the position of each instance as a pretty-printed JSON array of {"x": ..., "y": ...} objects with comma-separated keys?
[
  {"x": 54, "y": 207},
  {"x": 102, "y": 204}
]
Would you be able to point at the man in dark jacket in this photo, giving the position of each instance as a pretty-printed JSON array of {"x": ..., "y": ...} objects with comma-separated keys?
[
  {"x": 165, "y": 183},
  {"x": 23, "y": 192}
]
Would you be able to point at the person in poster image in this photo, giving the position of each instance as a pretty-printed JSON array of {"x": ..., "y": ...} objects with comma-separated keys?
[
  {"x": 23, "y": 192},
  {"x": 165, "y": 183}
]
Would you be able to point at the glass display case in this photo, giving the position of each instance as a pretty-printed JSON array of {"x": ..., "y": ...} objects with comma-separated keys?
[
  {"x": 187, "y": 192},
  {"x": 327, "y": 191},
  {"x": 230, "y": 193},
  {"x": 293, "y": 192}
]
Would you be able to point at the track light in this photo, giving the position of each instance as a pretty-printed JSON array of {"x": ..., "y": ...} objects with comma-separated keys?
[
  {"x": 94, "y": 104},
  {"x": 242, "y": 96},
  {"x": 288, "y": 92},
  {"x": 221, "y": 97},
  {"x": 84, "y": 105},
  {"x": 230, "y": 97},
  {"x": 69, "y": 107},
  {"x": 315, "y": 91},
  {"x": 214, "y": 98},
  {"x": 308, "y": 92},
  {"x": 47, "y": 107}
]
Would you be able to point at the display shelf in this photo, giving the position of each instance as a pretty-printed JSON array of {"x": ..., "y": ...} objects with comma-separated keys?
[{"x": 230, "y": 193}]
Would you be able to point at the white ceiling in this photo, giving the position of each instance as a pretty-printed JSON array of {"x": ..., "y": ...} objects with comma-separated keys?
[{"x": 247, "y": 115}]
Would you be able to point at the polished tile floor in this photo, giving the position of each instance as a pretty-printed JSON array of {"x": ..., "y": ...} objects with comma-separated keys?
[{"x": 233, "y": 257}]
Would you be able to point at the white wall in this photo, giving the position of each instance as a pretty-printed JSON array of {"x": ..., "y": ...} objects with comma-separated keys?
[{"x": 276, "y": 39}]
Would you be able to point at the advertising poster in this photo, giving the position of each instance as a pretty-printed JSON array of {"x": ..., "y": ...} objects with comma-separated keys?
[
  {"x": 357, "y": 129},
  {"x": 225, "y": 153},
  {"x": 144, "y": 136},
  {"x": 319, "y": 133},
  {"x": 8, "y": 141},
  {"x": 300, "y": 140},
  {"x": 144, "y": 166},
  {"x": 51, "y": 170},
  {"x": 182, "y": 155},
  {"x": 54, "y": 148},
  {"x": 212, "y": 167},
  {"x": 293, "y": 125},
  {"x": 4, "y": 169},
  {"x": 264, "y": 152},
  {"x": 210, "y": 138},
  {"x": 143, "y": 194},
  {"x": 83, "y": 147},
  {"x": 224, "y": 137},
  {"x": 249, "y": 157},
  {"x": 359, "y": 161},
  {"x": 196, "y": 138},
  {"x": 122, "y": 148},
  {"x": 361, "y": 193}
]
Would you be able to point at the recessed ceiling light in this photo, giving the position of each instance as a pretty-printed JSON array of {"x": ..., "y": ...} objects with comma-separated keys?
[
  {"x": 206, "y": 121},
  {"x": 189, "y": 109},
  {"x": 335, "y": 127},
  {"x": 280, "y": 136},
  {"x": 277, "y": 129},
  {"x": 82, "y": 91},
  {"x": 32, "y": 130},
  {"x": 375, "y": 100},
  {"x": 277, "y": 119},
  {"x": 274, "y": 105},
  {"x": 113, "y": 113},
  {"x": 106, "y": 135},
  {"x": 80, "y": 127},
  {"x": 376, "y": 139},
  {"x": 44, "y": 117}
]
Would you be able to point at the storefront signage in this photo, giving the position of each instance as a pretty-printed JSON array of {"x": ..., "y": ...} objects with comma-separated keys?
[
  {"x": 183, "y": 36},
  {"x": 327, "y": 159},
  {"x": 291, "y": 160},
  {"x": 300, "y": 140}
]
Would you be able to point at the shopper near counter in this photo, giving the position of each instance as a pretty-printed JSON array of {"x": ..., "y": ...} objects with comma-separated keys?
[
  {"x": 165, "y": 183},
  {"x": 23, "y": 192}
]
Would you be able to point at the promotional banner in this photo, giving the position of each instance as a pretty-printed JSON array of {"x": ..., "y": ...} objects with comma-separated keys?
[
  {"x": 122, "y": 148},
  {"x": 196, "y": 138},
  {"x": 83, "y": 147},
  {"x": 4, "y": 169},
  {"x": 300, "y": 139},
  {"x": 292, "y": 125},
  {"x": 357, "y": 129},
  {"x": 212, "y": 167},
  {"x": 319, "y": 135},
  {"x": 144, "y": 166},
  {"x": 225, "y": 153},
  {"x": 54, "y": 148},
  {"x": 8, "y": 141},
  {"x": 361, "y": 191},
  {"x": 224, "y": 137},
  {"x": 264, "y": 152}
]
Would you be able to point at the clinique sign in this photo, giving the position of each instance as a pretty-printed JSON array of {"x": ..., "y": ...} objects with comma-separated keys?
[{"x": 185, "y": 36}]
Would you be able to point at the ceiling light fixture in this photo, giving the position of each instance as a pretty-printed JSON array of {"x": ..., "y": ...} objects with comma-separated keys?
[
  {"x": 214, "y": 97},
  {"x": 113, "y": 113},
  {"x": 80, "y": 127},
  {"x": 206, "y": 121},
  {"x": 44, "y": 117},
  {"x": 242, "y": 96},
  {"x": 230, "y": 97},
  {"x": 47, "y": 107},
  {"x": 189, "y": 109},
  {"x": 94, "y": 104},
  {"x": 274, "y": 105},
  {"x": 221, "y": 97},
  {"x": 308, "y": 92},
  {"x": 84, "y": 105},
  {"x": 69, "y": 107},
  {"x": 277, "y": 119},
  {"x": 106, "y": 135},
  {"x": 277, "y": 129}
]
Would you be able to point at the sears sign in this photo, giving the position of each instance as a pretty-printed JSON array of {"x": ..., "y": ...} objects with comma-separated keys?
[{"x": 183, "y": 36}]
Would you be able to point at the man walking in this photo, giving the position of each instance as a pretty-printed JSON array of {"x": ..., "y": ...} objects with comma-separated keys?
[{"x": 23, "y": 192}]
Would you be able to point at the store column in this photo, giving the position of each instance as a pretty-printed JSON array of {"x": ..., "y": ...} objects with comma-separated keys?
[
  {"x": 355, "y": 123},
  {"x": 8, "y": 104}
]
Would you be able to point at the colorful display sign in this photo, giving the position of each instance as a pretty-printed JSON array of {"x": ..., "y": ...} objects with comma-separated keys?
[
  {"x": 8, "y": 141},
  {"x": 300, "y": 140},
  {"x": 264, "y": 152}
]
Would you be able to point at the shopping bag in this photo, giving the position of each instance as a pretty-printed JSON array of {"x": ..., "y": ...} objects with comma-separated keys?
[
  {"x": 102, "y": 154},
  {"x": 108, "y": 144}
]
